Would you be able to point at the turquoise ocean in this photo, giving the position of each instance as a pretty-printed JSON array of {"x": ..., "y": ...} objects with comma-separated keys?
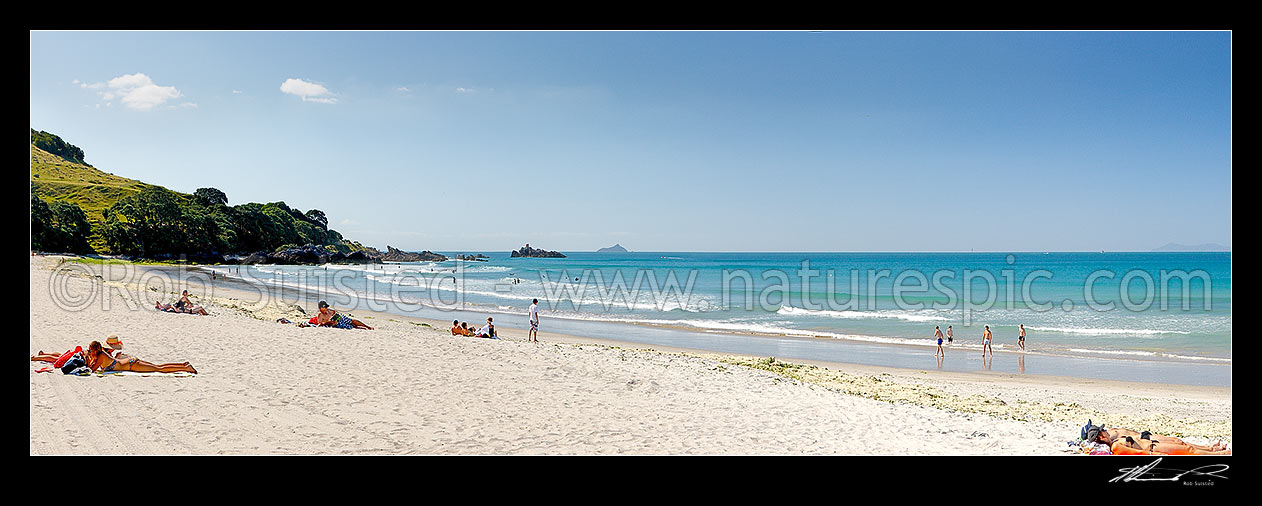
[{"x": 1168, "y": 311}]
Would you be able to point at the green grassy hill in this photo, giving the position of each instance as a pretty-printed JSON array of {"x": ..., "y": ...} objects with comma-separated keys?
[
  {"x": 93, "y": 190},
  {"x": 126, "y": 216}
]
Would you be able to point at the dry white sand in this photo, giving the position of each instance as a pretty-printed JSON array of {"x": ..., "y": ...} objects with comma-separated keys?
[{"x": 268, "y": 388}]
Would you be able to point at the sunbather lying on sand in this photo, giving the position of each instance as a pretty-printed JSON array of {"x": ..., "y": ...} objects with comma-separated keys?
[
  {"x": 1100, "y": 434},
  {"x": 113, "y": 360},
  {"x": 330, "y": 318},
  {"x": 1149, "y": 447},
  {"x": 100, "y": 360}
]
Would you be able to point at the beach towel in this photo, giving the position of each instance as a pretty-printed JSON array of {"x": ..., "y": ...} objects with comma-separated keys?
[
  {"x": 180, "y": 374},
  {"x": 66, "y": 356}
]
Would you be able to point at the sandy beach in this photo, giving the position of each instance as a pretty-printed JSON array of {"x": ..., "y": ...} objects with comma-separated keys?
[{"x": 409, "y": 387}]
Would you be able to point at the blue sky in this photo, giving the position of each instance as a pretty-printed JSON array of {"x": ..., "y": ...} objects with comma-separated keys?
[{"x": 672, "y": 141}]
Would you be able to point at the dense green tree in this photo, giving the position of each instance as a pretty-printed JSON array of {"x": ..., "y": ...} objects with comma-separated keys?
[
  {"x": 59, "y": 227},
  {"x": 53, "y": 144},
  {"x": 211, "y": 196},
  {"x": 317, "y": 216},
  {"x": 145, "y": 224},
  {"x": 41, "y": 223}
]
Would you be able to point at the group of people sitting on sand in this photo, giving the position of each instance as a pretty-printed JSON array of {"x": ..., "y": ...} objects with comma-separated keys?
[
  {"x": 1128, "y": 442},
  {"x": 459, "y": 328},
  {"x": 110, "y": 358},
  {"x": 184, "y": 305},
  {"x": 329, "y": 317}
]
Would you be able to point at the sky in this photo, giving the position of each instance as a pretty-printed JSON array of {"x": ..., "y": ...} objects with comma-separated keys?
[{"x": 671, "y": 141}]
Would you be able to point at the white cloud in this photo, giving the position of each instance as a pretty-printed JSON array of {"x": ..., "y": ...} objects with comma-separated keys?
[
  {"x": 136, "y": 91},
  {"x": 464, "y": 90},
  {"x": 403, "y": 89},
  {"x": 236, "y": 92},
  {"x": 308, "y": 91}
]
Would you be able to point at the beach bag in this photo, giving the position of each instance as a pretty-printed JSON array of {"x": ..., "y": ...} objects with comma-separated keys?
[{"x": 73, "y": 364}]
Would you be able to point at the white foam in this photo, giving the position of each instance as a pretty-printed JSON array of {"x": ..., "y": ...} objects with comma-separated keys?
[
  {"x": 900, "y": 315},
  {"x": 1106, "y": 331},
  {"x": 1149, "y": 354}
]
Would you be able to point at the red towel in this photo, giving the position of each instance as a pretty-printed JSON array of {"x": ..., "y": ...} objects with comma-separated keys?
[{"x": 66, "y": 356}]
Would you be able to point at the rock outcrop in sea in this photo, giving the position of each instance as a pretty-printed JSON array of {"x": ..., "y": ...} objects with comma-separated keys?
[
  {"x": 396, "y": 255},
  {"x": 315, "y": 255},
  {"x": 528, "y": 252},
  {"x": 617, "y": 248},
  {"x": 309, "y": 254}
]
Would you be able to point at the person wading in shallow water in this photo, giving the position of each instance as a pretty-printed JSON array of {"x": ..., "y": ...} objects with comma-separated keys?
[{"x": 986, "y": 343}]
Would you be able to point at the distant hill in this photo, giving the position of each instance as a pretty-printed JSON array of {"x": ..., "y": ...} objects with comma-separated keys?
[
  {"x": 1193, "y": 247},
  {"x": 617, "y": 248}
]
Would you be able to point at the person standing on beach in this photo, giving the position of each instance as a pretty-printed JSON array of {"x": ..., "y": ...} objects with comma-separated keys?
[
  {"x": 986, "y": 343},
  {"x": 1021, "y": 336},
  {"x": 533, "y": 335},
  {"x": 937, "y": 332},
  {"x": 950, "y": 334}
]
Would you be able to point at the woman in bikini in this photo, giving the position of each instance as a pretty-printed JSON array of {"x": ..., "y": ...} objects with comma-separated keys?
[
  {"x": 1100, "y": 434},
  {"x": 1157, "y": 448},
  {"x": 327, "y": 317},
  {"x": 101, "y": 360}
]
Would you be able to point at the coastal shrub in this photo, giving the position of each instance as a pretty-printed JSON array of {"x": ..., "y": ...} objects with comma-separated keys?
[
  {"x": 148, "y": 224},
  {"x": 55, "y": 145},
  {"x": 283, "y": 227},
  {"x": 59, "y": 227}
]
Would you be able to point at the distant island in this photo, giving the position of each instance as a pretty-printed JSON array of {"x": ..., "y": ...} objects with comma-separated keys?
[
  {"x": 473, "y": 258},
  {"x": 617, "y": 248},
  {"x": 1193, "y": 247},
  {"x": 528, "y": 252}
]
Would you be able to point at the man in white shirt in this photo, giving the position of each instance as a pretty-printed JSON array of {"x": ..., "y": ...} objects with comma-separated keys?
[{"x": 533, "y": 335}]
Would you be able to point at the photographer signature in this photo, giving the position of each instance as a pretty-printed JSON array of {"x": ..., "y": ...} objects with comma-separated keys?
[{"x": 1151, "y": 472}]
